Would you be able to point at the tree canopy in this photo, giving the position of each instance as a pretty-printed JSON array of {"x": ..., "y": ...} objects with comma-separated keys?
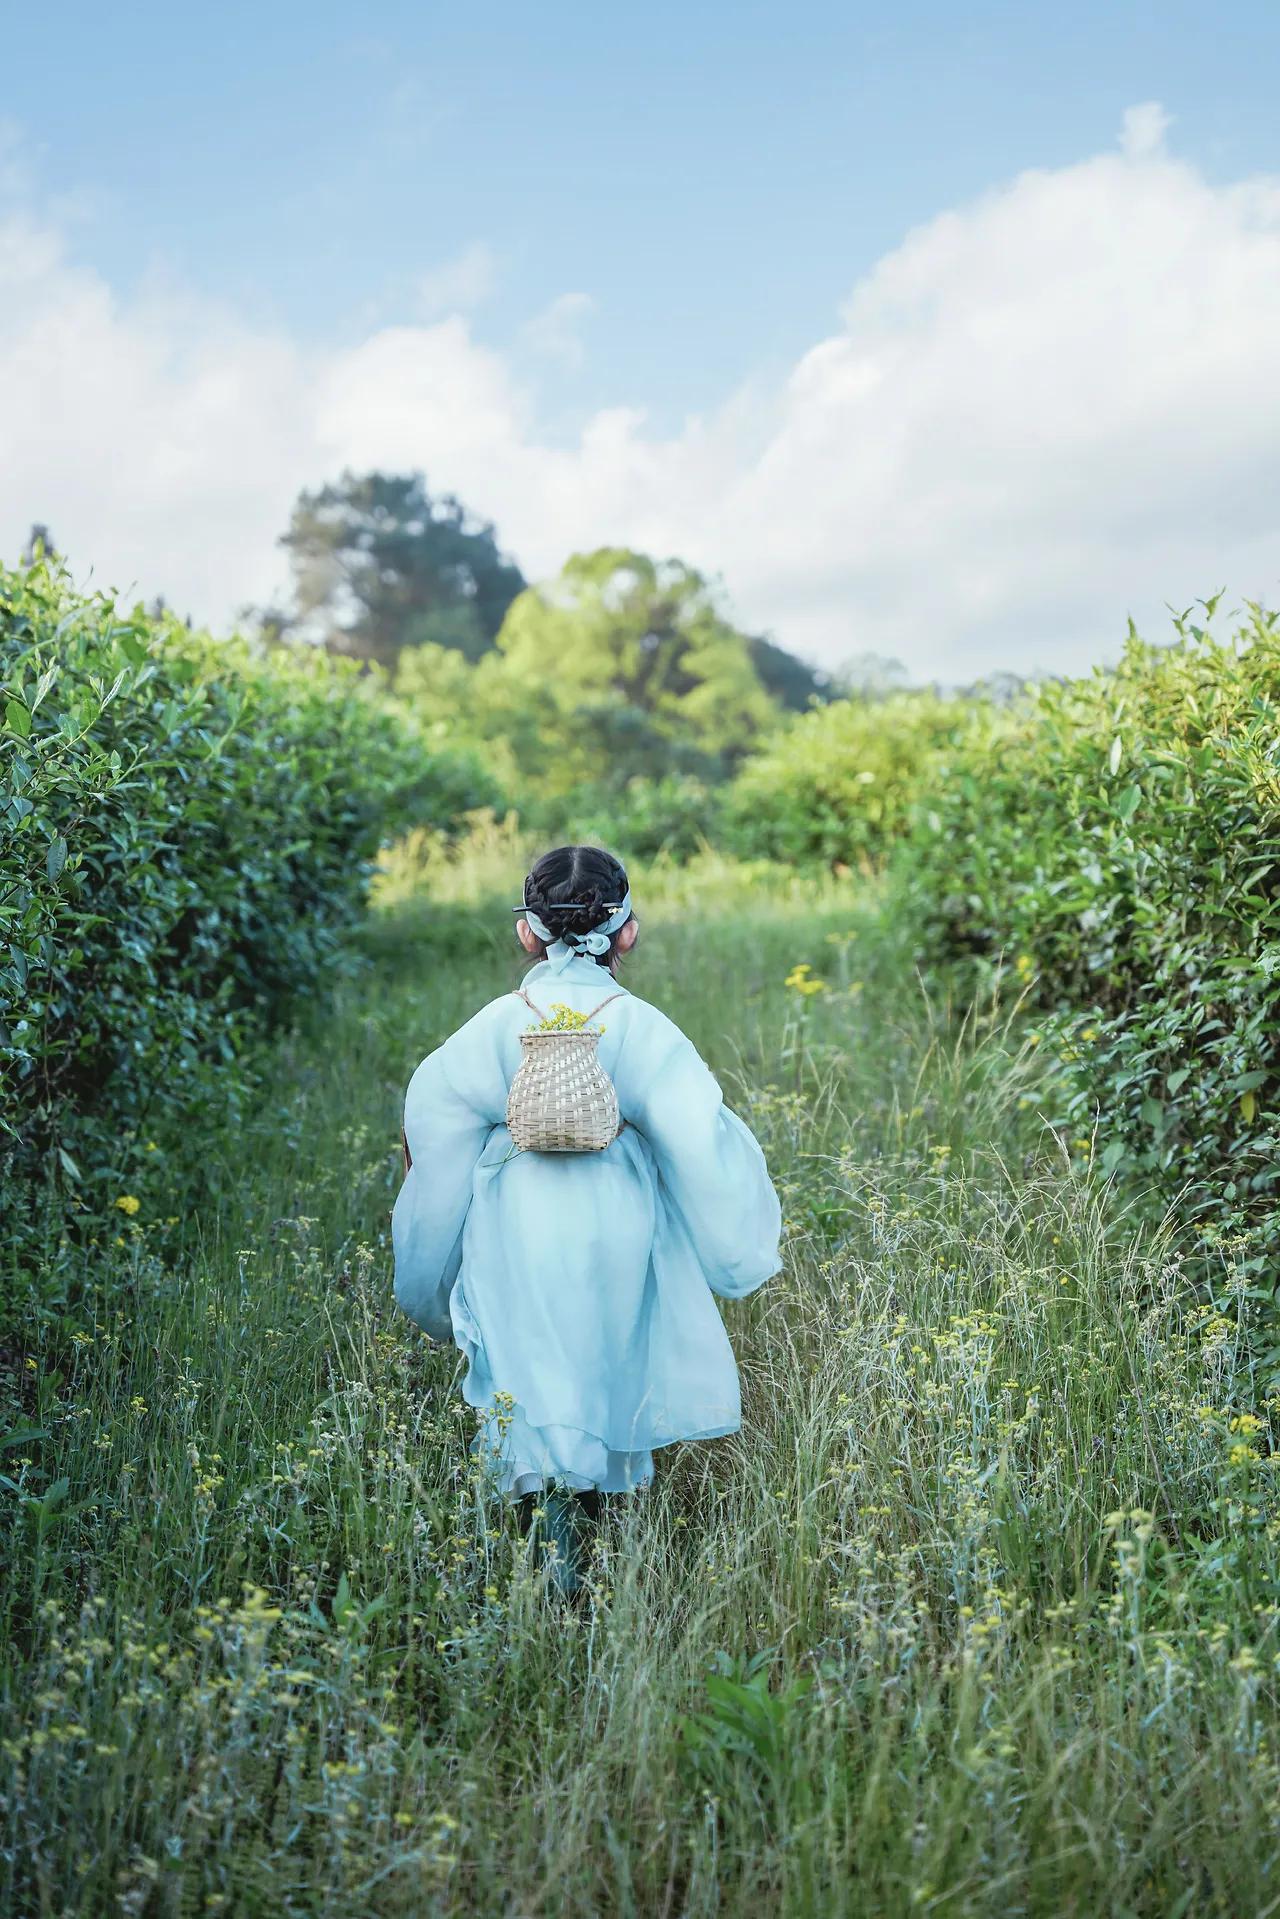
[
  {"x": 633, "y": 668},
  {"x": 620, "y": 668},
  {"x": 379, "y": 565},
  {"x": 791, "y": 680}
]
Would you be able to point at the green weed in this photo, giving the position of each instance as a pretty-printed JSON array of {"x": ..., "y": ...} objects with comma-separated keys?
[{"x": 976, "y": 1615}]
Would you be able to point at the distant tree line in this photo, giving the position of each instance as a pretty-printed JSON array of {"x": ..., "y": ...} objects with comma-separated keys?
[{"x": 623, "y": 668}]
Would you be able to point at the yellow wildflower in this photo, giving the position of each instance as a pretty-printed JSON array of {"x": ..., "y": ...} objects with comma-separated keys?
[
  {"x": 129, "y": 1203},
  {"x": 802, "y": 979}
]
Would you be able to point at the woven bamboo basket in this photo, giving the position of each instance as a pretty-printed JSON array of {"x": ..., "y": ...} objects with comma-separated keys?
[{"x": 561, "y": 1099}]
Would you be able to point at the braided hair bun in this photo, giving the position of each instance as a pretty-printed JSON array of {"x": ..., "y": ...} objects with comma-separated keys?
[{"x": 573, "y": 889}]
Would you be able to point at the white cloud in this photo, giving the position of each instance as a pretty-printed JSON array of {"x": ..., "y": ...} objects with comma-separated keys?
[
  {"x": 1143, "y": 129},
  {"x": 1042, "y": 411},
  {"x": 555, "y": 333},
  {"x": 458, "y": 285}
]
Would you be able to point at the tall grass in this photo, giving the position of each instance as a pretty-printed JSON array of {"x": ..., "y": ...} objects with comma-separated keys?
[{"x": 976, "y": 1615}]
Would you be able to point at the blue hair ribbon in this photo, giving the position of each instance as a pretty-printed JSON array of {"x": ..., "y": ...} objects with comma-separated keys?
[{"x": 595, "y": 942}]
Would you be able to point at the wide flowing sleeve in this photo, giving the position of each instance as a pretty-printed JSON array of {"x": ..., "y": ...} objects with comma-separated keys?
[
  {"x": 449, "y": 1113},
  {"x": 709, "y": 1162}
]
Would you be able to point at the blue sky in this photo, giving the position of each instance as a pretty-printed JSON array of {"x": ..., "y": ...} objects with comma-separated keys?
[
  {"x": 657, "y": 209},
  {"x": 714, "y": 177}
]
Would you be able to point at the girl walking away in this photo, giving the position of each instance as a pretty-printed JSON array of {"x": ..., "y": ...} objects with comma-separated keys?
[{"x": 569, "y": 1246}]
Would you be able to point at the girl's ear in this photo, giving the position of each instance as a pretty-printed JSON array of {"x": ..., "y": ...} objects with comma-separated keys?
[
  {"x": 527, "y": 937},
  {"x": 628, "y": 935}
]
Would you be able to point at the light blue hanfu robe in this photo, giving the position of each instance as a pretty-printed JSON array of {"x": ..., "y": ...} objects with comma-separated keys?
[{"x": 581, "y": 1284}]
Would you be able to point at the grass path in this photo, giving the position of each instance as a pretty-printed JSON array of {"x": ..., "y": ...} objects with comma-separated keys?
[{"x": 976, "y": 1615}]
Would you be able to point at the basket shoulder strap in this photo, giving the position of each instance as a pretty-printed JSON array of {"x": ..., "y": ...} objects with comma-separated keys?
[{"x": 521, "y": 994}]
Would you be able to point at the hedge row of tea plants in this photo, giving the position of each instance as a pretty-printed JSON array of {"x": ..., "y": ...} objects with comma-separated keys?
[
  {"x": 1115, "y": 840},
  {"x": 188, "y": 828}
]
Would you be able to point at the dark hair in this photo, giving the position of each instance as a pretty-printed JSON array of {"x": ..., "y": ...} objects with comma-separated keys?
[{"x": 572, "y": 889}]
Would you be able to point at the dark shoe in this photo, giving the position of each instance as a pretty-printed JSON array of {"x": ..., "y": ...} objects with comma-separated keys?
[
  {"x": 526, "y": 1505},
  {"x": 566, "y": 1525},
  {"x": 560, "y": 1523}
]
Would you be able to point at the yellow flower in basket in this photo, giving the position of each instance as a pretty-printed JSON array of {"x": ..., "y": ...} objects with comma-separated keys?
[{"x": 563, "y": 1019}]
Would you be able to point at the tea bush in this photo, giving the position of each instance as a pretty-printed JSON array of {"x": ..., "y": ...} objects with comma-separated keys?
[
  {"x": 1117, "y": 839},
  {"x": 187, "y": 829},
  {"x": 839, "y": 785}
]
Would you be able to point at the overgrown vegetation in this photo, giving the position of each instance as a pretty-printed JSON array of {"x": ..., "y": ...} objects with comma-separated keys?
[
  {"x": 1113, "y": 842},
  {"x": 1116, "y": 842},
  {"x": 187, "y": 834},
  {"x": 978, "y": 1613}
]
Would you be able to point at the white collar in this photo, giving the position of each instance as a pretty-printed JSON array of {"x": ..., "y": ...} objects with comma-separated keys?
[{"x": 563, "y": 958}]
